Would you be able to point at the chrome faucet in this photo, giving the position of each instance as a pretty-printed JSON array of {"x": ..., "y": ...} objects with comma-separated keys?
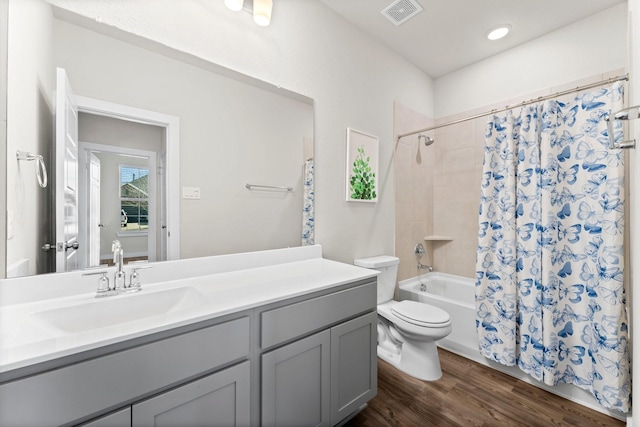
[
  {"x": 118, "y": 259},
  {"x": 421, "y": 266}
]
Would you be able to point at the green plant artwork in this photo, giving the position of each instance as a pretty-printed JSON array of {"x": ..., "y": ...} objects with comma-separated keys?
[{"x": 362, "y": 183}]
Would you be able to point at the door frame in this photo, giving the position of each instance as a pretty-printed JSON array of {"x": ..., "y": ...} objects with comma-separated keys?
[
  {"x": 171, "y": 125},
  {"x": 90, "y": 147}
]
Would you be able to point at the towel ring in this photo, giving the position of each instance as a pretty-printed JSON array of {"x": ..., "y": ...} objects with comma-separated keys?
[{"x": 41, "y": 168}]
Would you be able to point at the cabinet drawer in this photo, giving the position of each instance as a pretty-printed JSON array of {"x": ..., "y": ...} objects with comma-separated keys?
[
  {"x": 286, "y": 323},
  {"x": 77, "y": 391}
]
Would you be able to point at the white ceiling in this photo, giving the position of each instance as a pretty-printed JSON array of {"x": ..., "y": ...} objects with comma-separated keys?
[{"x": 450, "y": 34}]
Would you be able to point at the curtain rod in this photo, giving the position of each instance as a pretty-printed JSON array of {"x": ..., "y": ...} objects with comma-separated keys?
[{"x": 508, "y": 107}]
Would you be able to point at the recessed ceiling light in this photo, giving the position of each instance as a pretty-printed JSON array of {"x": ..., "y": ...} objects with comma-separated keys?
[{"x": 498, "y": 32}]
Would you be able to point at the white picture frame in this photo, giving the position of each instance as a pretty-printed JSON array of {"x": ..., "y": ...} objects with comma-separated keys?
[{"x": 362, "y": 167}]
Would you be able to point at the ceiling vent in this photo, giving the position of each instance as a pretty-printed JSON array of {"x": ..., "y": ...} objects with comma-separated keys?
[{"x": 401, "y": 11}]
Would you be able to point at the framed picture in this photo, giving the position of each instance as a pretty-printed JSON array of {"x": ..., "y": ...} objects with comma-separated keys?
[{"x": 362, "y": 167}]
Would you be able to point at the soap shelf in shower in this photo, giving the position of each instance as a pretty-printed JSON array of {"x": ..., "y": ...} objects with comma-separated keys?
[{"x": 437, "y": 238}]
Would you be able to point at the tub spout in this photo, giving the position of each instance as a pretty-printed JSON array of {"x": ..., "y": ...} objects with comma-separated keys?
[{"x": 421, "y": 266}]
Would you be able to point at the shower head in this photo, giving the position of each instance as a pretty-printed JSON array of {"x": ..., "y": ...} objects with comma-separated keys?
[{"x": 427, "y": 140}]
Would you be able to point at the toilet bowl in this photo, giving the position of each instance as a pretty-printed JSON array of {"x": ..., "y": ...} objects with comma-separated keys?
[{"x": 407, "y": 330}]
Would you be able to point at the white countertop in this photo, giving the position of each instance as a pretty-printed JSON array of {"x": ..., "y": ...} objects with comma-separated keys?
[{"x": 26, "y": 339}]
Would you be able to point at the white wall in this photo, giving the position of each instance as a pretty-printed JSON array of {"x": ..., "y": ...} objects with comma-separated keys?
[
  {"x": 30, "y": 84},
  {"x": 592, "y": 46},
  {"x": 310, "y": 50}
]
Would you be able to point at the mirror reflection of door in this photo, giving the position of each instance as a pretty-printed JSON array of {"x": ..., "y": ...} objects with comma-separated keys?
[
  {"x": 94, "y": 223},
  {"x": 127, "y": 208},
  {"x": 66, "y": 192}
]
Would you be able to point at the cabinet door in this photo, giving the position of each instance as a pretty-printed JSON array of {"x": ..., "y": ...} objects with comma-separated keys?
[
  {"x": 354, "y": 369},
  {"x": 221, "y": 399},
  {"x": 295, "y": 383},
  {"x": 121, "y": 418}
]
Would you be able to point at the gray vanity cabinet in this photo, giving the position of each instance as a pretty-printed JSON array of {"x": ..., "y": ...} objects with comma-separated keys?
[
  {"x": 221, "y": 399},
  {"x": 354, "y": 365},
  {"x": 322, "y": 378},
  {"x": 295, "y": 383},
  {"x": 121, "y": 418}
]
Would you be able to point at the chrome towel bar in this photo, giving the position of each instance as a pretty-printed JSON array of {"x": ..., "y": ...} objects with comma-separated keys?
[
  {"x": 630, "y": 113},
  {"x": 268, "y": 187}
]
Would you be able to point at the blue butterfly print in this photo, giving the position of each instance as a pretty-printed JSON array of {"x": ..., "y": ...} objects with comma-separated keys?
[
  {"x": 524, "y": 176},
  {"x": 589, "y": 154},
  {"x": 589, "y": 103},
  {"x": 569, "y": 255},
  {"x": 602, "y": 340},
  {"x": 568, "y": 314},
  {"x": 522, "y": 197},
  {"x": 588, "y": 277},
  {"x": 572, "y": 234},
  {"x": 546, "y": 178},
  {"x": 592, "y": 309},
  {"x": 525, "y": 286},
  {"x": 588, "y": 214},
  {"x": 482, "y": 229},
  {"x": 611, "y": 255},
  {"x": 565, "y": 196},
  {"x": 591, "y": 249},
  {"x": 568, "y": 117},
  {"x": 524, "y": 231},
  {"x": 614, "y": 294},
  {"x": 565, "y": 212},
  {"x": 609, "y": 324},
  {"x": 565, "y": 270},
  {"x": 486, "y": 179},
  {"x": 494, "y": 287},
  {"x": 488, "y": 341},
  {"x": 615, "y": 157},
  {"x": 573, "y": 292},
  {"x": 614, "y": 367},
  {"x": 573, "y": 353},
  {"x": 569, "y": 376},
  {"x": 569, "y": 175},
  {"x": 545, "y": 236},
  {"x": 610, "y": 205},
  {"x": 567, "y": 330},
  {"x": 592, "y": 167},
  {"x": 504, "y": 312},
  {"x": 565, "y": 154},
  {"x": 610, "y": 273},
  {"x": 615, "y": 227}
]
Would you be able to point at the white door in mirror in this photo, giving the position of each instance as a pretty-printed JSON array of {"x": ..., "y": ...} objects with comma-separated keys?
[{"x": 66, "y": 191}]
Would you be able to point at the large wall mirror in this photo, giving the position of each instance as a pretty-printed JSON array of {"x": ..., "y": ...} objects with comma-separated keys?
[{"x": 229, "y": 131}]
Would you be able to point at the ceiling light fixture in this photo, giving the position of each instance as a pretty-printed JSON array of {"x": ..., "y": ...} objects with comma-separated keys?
[
  {"x": 262, "y": 12},
  {"x": 498, "y": 32},
  {"x": 235, "y": 5}
]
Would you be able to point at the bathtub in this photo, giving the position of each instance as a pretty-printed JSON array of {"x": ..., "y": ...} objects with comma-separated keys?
[{"x": 455, "y": 295}]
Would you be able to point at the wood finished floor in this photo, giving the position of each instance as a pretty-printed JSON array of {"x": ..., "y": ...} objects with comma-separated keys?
[{"x": 469, "y": 394}]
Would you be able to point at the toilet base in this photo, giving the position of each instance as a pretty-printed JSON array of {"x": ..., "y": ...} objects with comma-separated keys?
[{"x": 420, "y": 360}]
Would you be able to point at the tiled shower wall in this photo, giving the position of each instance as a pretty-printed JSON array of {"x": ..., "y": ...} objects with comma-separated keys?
[
  {"x": 438, "y": 187},
  {"x": 437, "y": 190}
]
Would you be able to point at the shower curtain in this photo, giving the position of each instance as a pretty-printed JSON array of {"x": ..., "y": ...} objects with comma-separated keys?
[
  {"x": 549, "y": 286},
  {"x": 308, "y": 202}
]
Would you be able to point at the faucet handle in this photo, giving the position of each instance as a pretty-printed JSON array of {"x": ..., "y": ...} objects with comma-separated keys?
[
  {"x": 103, "y": 284},
  {"x": 134, "y": 279}
]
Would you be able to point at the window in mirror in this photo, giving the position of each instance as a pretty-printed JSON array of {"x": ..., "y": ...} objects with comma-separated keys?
[{"x": 134, "y": 199}]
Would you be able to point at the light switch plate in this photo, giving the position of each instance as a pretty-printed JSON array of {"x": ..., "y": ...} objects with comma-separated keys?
[{"x": 191, "y": 193}]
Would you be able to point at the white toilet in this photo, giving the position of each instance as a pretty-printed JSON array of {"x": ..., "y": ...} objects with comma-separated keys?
[{"x": 407, "y": 330}]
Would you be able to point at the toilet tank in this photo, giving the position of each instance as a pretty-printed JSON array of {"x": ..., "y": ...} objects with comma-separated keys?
[{"x": 388, "y": 268}]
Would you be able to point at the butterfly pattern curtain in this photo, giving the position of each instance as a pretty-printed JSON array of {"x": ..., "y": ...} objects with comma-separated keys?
[
  {"x": 308, "y": 214},
  {"x": 549, "y": 287}
]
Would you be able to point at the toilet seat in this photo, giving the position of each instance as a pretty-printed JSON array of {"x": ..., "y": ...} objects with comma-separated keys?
[{"x": 421, "y": 314}]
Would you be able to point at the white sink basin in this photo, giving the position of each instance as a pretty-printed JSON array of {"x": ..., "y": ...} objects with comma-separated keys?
[{"x": 110, "y": 311}]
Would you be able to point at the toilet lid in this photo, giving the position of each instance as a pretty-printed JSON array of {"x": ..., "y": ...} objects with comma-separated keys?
[{"x": 421, "y": 314}]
